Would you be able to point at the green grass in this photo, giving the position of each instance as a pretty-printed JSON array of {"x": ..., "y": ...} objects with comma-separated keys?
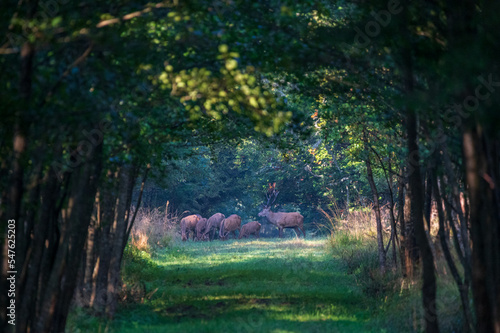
[{"x": 239, "y": 286}]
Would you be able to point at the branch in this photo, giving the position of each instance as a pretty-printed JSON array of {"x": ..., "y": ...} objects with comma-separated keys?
[
  {"x": 75, "y": 63},
  {"x": 129, "y": 16}
]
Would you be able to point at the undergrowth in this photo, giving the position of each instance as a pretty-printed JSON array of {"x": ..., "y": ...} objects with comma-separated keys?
[{"x": 400, "y": 303}]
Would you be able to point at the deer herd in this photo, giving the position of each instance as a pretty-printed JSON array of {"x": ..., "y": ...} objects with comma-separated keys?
[{"x": 205, "y": 229}]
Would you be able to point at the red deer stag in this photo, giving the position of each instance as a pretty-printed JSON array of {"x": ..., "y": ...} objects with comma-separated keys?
[
  {"x": 228, "y": 225},
  {"x": 281, "y": 220},
  {"x": 251, "y": 228},
  {"x": 189, "y": 224},
  {"x": 285, "y": 220},
  {"x": 200, "y": 229},
  {"x": 213, "y": 225}
]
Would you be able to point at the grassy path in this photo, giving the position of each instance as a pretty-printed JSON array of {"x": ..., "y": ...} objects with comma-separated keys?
[{"x": 244, "y": 286}]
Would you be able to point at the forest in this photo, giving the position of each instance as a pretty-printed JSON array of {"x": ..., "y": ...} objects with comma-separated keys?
[{"x": 352, "y": 148}]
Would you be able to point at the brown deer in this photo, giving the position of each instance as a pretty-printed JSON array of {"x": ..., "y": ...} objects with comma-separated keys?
[
  {"x": 200, "y": 229},
  {"x": 189, "y": 224},
  {"x": 281, "y": 220},
  {"x": 285, "y": 220},
  {"x": 251, "y": 228},
  {"x": 228, "y": 225},
  {"x": 213, "y": 224}
]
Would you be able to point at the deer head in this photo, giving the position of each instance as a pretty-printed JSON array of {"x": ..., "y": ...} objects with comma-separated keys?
[{"x": 264, "y": 212}]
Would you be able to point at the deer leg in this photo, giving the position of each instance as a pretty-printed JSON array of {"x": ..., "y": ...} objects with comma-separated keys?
[
  {"x": 281, "y": 232},
  {"x": 296, "y": 232},
  {"x": 303, "y": 231}
]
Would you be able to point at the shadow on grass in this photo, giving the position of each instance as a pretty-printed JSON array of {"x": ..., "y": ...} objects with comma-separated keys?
[
  {"x": 235, "y": 286},
  {"x": 247, "y": 320}
]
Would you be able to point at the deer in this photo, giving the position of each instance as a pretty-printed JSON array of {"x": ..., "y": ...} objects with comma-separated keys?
[
  {"x": 189, "y": 224},
  {"x": 228, "y": 225},
  {"x": 200, "y": 229},
  {"x": 213, "y": 223},
  {"x": 281, "y": 220},
  {"x": 251, "y": 228}
]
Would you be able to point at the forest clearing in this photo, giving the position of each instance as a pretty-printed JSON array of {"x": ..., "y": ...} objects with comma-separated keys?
[
  {"x": 323, "y": 284},
  {"x": 249, "y": 166},
  {"x": 266, "y": 285}
]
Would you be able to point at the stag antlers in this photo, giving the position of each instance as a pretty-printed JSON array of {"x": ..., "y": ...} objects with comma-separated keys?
[{"x": 271, "y": 194}]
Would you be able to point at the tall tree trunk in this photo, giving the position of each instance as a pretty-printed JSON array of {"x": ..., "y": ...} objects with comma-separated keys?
[
  {"x": 394, "y": 230},
  {"x": 61, "y": 284},
  {"x": 415, "y": 180},
  {"x": 19, "y": 145},
  {"x": 34, "y": 271},
  {"x": 484, "y": 233},
  {"x": 463, "y": 247},
  {"x": 428, "y": 198},
  {"x": 412, "y": 254},
  {"x": 462, "y": 288},
  {"x": 402, "y": 224},
  {"x": 98, "y": 299},
  {"x": 378, "y": 218},
  {"x": 415, "y": 184},
  {"x": 118, "y": 229}
]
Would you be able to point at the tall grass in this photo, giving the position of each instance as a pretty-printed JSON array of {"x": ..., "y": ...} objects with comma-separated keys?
[
  {"x": 154, "y": 228},
  {"x": 352, "y": 238}
]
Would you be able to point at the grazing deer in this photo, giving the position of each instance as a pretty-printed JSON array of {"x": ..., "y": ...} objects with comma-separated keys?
[
  {"x": 213, "y": 223},
  {"x": 251, "y": 228},
  {"x": 189, "y": 224},
  {"x": 200, "y": 229},
  {"x": 281, "y": 220},
  {"x": 228, "y": 225}
]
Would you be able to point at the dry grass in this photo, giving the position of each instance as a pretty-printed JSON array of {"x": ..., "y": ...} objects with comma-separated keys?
[
  {"x": 358, "y": 223},
  {"x": 154, "y": 228}
]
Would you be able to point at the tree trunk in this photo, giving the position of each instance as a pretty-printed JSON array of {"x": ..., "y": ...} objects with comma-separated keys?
[
  {"x": 415, "y": 180},
  {"x": 19, "y": 146},
  {"x": 412, "y": 254},
  {"x": 402, "y": 225},
  {"x": 394, "y": 230},
  {"x": 463, "y": 246},
  {"x": 484, "y": 234},
  {"x": 462, "y": 288},
  {"x": 61, "y": 284},
  {"x": 33, "y": 271},
  {"x": 428, "y": 197},
  {"x": 138, "y": 205},
  {"x": 98, "y": 299},
  {"x": 118, "y": 229},
  {"x": 416, "y": 197},
  {"x": 378, "y": 218}
]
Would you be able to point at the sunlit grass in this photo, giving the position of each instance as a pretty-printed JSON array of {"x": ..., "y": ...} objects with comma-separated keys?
[{"x": 266, "y": 285}]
